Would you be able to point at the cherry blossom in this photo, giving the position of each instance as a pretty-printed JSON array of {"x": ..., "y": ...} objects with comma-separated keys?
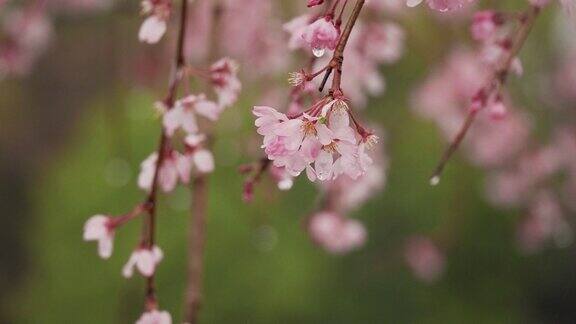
[
  {"x": 144, "y": 260},
  {"x": 321, "y": 35},
  {"x": 167, "y": 177},
  {"x": 99, "y": 228},
  {"x": 155, "y": 317},
  {"x": 323, "y": 142},
  {"x": 154, "y": 26},
  {"x": 424, "y": 258},
  {"x": 183, "y": 115},
  {"x": 225, "y": 81},
  {"x": 335, "y": 233}
]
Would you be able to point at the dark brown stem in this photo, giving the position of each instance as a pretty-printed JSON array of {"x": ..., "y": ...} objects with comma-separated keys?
[
  {"x": 494, "y": 86},
  {"x": 197, "y": 239},
  {"x": 151, "y": 199},
  {"x": 338, "y": 58},
  {"x": 335, "y": 64}
]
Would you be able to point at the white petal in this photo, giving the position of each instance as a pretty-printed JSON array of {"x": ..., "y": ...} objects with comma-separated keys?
[
  {"x": 152, "y": 29},
  {"x": 204, "y": 161}
]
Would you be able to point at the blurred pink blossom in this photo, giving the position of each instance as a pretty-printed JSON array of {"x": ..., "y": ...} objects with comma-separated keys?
[{"x": 424, "y": 258}]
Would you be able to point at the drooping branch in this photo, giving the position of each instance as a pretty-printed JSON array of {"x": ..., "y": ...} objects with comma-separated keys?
[
  {"x": 151, "y": 200},
  {"x": 496, "y": 82}
]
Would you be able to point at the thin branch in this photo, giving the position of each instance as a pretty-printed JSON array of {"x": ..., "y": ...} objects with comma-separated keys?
[
  {"x": 151, "y": 200},
  {"x": 196, "y": 241},
  {"x": 494, "y": 85}
]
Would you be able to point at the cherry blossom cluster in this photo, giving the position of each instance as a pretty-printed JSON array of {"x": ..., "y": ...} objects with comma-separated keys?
[
  {"x": 324, "y": 141},
  {"x": 526, "y": 174},
  {"x": 183, "y": 151},
  {"x": 329, "y": 226},
  {"x": 320, "y": 134}
]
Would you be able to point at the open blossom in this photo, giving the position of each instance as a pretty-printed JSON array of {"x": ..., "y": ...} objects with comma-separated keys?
[
  {"x": 155, "y": 317},
  {"x": 195, "y": 156},
  {"x": 224, "y": 78},
  {"x": 321, "y": 35},
  {"x": 98, "y": 228},
  {"x": 183, "y": 115},
  {"x": 440, "y": 5},
  {"x": 426, "y": 261},
  {"x": 167, "y": 177},
  {"x": 144, "y": 260},
  {"x": 154, "y": 26},
  {"x": 335, "y": 233},
  {"x": 323, "y": 142}
]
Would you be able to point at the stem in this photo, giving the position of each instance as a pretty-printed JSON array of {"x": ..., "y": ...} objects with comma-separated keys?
[
  {"x": 198, "y": 216},
  {"x": 494, "y": 85},
  {"x": 196, "y": 241},
  {"x": 338, "y": 57},
  {"x": 151, "y": 200}
]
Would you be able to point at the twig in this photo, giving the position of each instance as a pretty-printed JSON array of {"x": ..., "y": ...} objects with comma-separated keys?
[
  {"x": 151, "y": 200},
  {"x": 494, "y": 85}
]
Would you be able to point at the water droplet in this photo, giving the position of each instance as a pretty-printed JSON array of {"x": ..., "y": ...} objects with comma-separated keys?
[
  {"x": 318, "y": 52},
  {"x": 434, "y": 181}
]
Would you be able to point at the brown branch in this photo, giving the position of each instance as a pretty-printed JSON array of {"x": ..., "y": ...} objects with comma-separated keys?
[
  {"x": 196, "y": 241},
  {"x": 338, "y": 58},
  {"x": 198, "y": 216},
  {"x": 151, "y": 200},
  {"x": 494, "y": 85}
]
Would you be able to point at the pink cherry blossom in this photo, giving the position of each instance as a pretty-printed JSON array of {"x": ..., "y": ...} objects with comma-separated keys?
[
  {"x": 335, "y": 233},
  {"x": 321, "y": 35},
  {"x": 144, "y": 260},
  {"x": 99, "y": 228},
  {"x": 155, "y": 317},
  {"x": 183, "y": 115},
  {"x": 225, "y": 81},
  {"x": 154, "y": 26},
  {"x": 152, "y": 30},
  {"x": 324, "y": 143},
  {"x": 167, "y": 177},
  {"x": 424, "y": 258}
]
